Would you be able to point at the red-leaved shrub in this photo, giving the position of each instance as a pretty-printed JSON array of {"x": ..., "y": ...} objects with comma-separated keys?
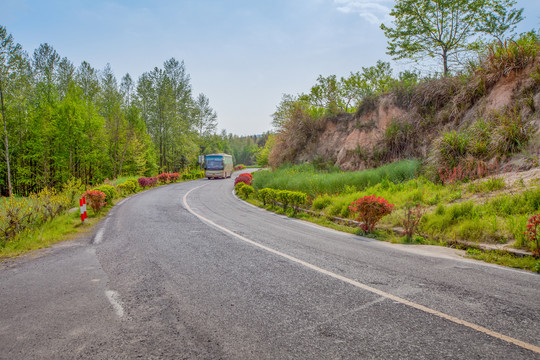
[
  {"x": 96, "y": 200},
  {"x": 145, "y": 182},
  {"x": 152, "y": 181},
  {"x": 174, "y": 177},
  {"x": 239, "y": 167},
  {"x": 242, "y": 178},
  {"x": 248, "y": 175},
  {"x": 532, "y": 233},
  {"x": 369, "y": 210},
  {"x": 163, "y": 178}
]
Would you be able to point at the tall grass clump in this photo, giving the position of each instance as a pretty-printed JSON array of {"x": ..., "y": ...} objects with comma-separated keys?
[
  {"x": 502, "y": 58},
  {"x": 306, "y": 179}
]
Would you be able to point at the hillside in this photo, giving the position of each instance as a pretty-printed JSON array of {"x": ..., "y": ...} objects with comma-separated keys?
[{"x": 487, "y": 121}]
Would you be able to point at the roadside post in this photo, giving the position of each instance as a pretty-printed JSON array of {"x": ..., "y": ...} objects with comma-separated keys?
[
  {"x": 82, "y": 203},
  {"x": 201, "y": 161}
]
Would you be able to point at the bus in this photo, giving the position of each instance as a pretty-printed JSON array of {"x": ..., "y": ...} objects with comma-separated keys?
[{"x": 218, "y": 166}]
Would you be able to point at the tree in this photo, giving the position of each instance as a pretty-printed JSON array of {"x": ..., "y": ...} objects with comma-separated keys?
[
  {"x": 446, "y": 29},
  {"x": 205, "y": 116},
  {"x": 10, "y": 62},
  {"x": 325, "y": 94},
  {"x": 66, "y": 74},
  {"x": 126, "y": 88}
]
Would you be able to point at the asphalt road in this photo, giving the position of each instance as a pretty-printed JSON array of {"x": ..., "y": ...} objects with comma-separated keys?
[{"x": 189, "y": 271}]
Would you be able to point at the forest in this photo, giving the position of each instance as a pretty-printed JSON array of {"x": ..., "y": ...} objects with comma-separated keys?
[{"x": 62, "y": 121}]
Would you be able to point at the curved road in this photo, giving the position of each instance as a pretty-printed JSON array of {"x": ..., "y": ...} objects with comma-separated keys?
[{"x": 189, "y": 271}]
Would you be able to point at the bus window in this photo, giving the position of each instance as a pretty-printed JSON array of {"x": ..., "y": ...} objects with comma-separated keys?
[{"x": 214, "y": 163}]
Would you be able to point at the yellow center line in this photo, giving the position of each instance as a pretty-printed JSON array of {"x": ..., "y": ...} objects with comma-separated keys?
[{"x": 360, "y": 285}]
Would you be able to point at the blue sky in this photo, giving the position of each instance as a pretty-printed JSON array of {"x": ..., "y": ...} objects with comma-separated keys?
[{"x": 243, "y": 55}]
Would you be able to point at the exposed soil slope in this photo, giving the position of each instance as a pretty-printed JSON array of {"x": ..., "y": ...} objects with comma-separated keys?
[{"x": 412, "y": 123}]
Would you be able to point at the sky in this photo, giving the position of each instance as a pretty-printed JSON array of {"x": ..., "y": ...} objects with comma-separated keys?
[{"x": 242, "y": 54}]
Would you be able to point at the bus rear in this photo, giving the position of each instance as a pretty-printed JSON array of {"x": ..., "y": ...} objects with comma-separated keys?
[{"x": 218, "y": 166}]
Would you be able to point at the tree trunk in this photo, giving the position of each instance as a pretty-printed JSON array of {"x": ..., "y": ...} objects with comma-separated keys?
[
  {"x": 445, "y": 62},
  {"x": 6, "y": 140}
]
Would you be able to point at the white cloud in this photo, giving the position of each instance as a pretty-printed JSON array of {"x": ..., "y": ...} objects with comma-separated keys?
[{"x": 374, "y": 11}]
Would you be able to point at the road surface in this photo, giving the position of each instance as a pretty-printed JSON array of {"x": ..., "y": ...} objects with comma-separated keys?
[{"x": 188, "y": 271}]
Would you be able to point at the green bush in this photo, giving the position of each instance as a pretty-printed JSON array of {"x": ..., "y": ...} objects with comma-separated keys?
[
  {"x": 238, "y": 187},
  {"x": 73, "y": 189},
  {"x": 109, "y": 191},
  {"x": 297, "y": 199},
  {"x": 284, "y": 197},
  {"x": 245, "y": 191},
  {"x": 321, "y": 202},
  {"x": 266, "y": 195},
  {"x": 15, "y": 216},
  {"x": 49, "y": 203},
  {"x": 129, "y": 187},
  {"x": 512, "y": 132}
]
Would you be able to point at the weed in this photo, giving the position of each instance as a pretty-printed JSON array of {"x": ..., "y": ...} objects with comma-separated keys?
[{"x": 412, "y": 218}]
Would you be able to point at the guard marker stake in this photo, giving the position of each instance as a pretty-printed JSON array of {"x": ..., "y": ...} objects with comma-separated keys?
[{"x": 82, "y": 203}]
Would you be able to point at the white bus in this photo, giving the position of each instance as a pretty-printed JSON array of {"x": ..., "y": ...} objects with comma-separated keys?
[{"x": 218, "y": 166}]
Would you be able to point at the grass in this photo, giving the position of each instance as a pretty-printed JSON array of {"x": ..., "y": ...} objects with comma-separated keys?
[
  {"x": 307, "y": 179},
  {"x": 498, "y": 257},
  {"x": 505, "y": 259},
  {"x": 469, "y": 212},
  {"x": 63, "y": 227}
]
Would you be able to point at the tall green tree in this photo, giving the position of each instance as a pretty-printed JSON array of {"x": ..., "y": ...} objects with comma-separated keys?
[
  {"x": 10, "y": 64},
  {"x": 205, "y": 117},
  {"x": 446, "y": 29}
]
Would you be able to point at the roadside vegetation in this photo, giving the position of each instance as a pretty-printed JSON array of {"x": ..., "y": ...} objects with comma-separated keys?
[
  {"x": 407, "y": 209},
  {"x": 48, "y": 217},
  {"x": 433, "y": 170}
]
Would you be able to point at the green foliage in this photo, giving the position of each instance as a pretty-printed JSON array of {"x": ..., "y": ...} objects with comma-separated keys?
[
  {"x": 245, "y": 191},
  {"x": 49, "y": 203},
  {"x": 452, "y": 147},
  {"x": 512, "y": 132},
  {"x": 108, "y": 190},
  {"x": 15, "y": 216},
  {"x": 266, "y": 195},
  {"x": 287, "y": 198},
  {"x": 239, "y": 186},
  {"x": 64, "y": 123},
  {"x": 492, "y": 184},
  {"x": 505, "y": 259},
  {"x": 284, "y": 198},
  {"x": 305, "y": 178},
  {"x": 321, "y": 202},
  {"x": 499, "y": 219},
  {"x": 297, "y": 200},
  {"x": 73, "y": 189},
  {"x": 128, "y": 187},
  {"x": 264, "y": 153},
  {"x": 446, "y": 29},
  {"x": 503, "y": 57}
]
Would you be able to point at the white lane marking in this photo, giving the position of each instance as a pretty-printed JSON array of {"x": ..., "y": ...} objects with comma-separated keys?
[
  {"x": 99, "y": 235},
  {"x": 360, "y": 285},
  {"x": 122, "y": 201},
  {"x": 114, "y": 299}
]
